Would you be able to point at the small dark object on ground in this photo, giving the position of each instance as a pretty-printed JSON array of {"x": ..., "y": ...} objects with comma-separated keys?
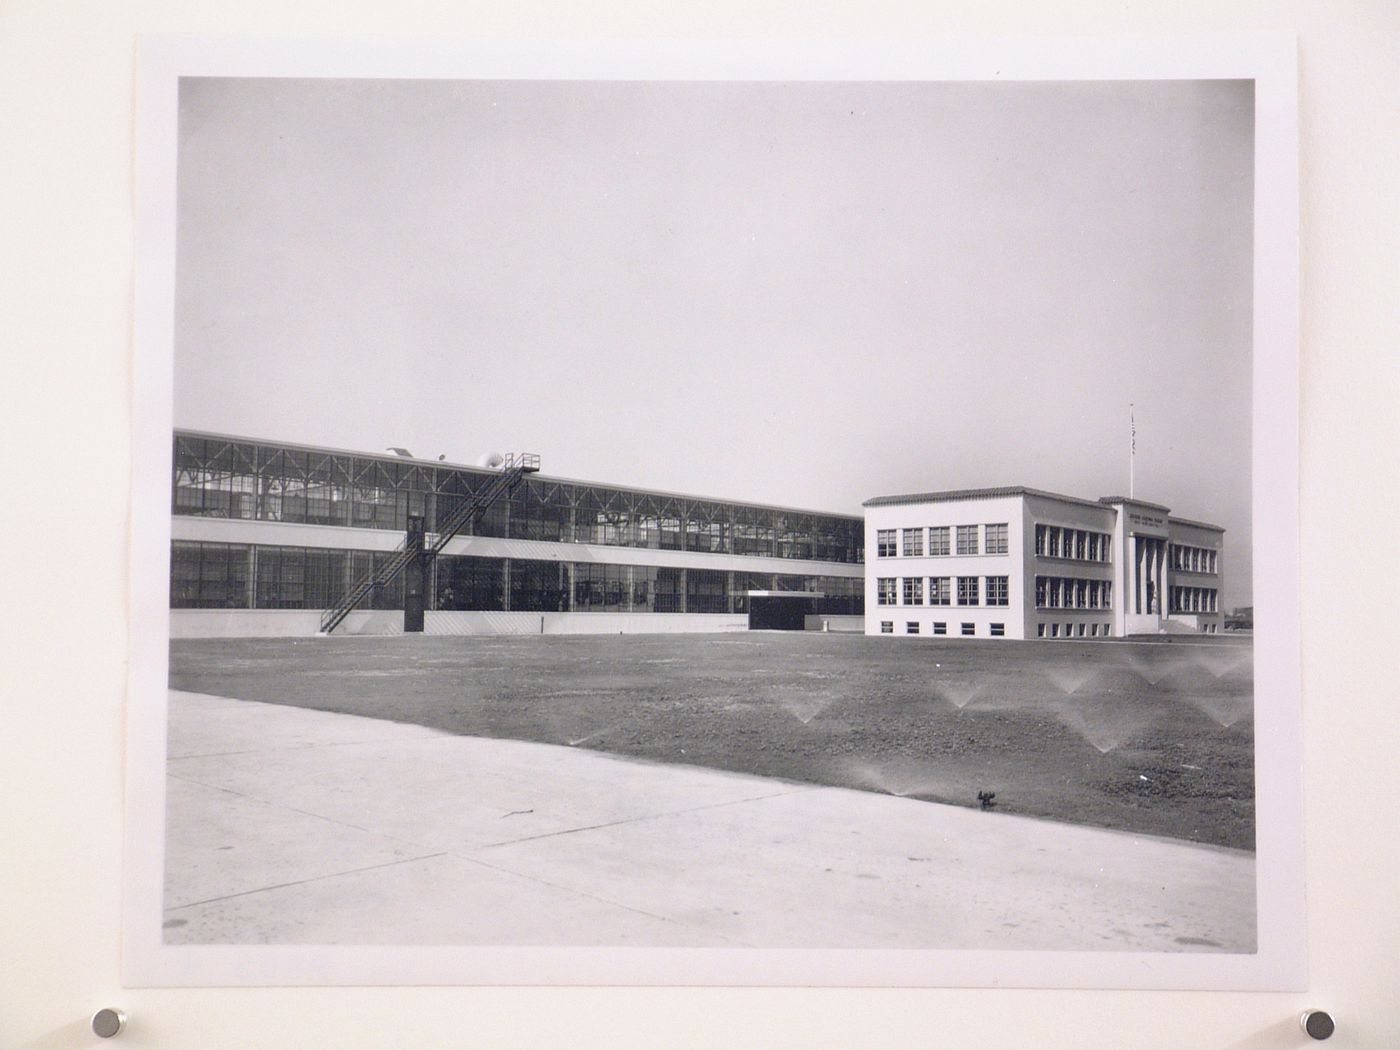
[{"x": 986, "y": 798}]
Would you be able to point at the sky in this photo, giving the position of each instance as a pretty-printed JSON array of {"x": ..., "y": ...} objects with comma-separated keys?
[{"x": 804, "y": 294}]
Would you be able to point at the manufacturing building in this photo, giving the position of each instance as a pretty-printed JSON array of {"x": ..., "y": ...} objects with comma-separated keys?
[
  {"x": 268, "y": 538},
  {"x": 1021, "y": 563}
]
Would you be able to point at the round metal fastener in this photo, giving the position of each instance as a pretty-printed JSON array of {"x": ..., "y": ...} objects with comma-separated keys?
[
  {"x": 108, "y": 1022},
  {"x": 1318, "y": 1023}
]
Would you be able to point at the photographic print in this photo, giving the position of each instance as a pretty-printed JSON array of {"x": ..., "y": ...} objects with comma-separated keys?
[{"x": 726, "y": 528}]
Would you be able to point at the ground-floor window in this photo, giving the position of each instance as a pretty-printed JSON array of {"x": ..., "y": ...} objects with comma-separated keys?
[
  {"x": 940, "y": 627},
  {"x": 969, "y": 628},
  {"x": 1040, "y": 630},
  {"x": 887, "y": 627},
  {"x": 263, "y": 576},
  {"x": 998, "y": 630},
  {"x": 912, "y": 627}
]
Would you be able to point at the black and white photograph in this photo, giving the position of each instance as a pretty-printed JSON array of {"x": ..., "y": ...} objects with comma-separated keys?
[{"x": 617, "y": 519}]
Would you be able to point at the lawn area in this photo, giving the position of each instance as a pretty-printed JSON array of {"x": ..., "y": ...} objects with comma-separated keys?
[{"x": 1146, "y": 737}]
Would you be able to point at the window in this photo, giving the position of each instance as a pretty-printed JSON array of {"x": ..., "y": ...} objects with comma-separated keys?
[
  {"x": 1093, "y": 630},
  {"x": 939, "y": 627},
  {"x": 885, "y": 590},
  {"x": 1040, "y": 630},
  {"x": 913, "y": 590},
  {"x": 913, "y": 543},
  {"x": 887, "y": 627},
  {"x": 1081, "y": 630},
  {"x": 1052, "y": 543},
  {"x": 997, "y": 590},
  {"x": 1040, "y": 540},
  {"x": 939, "y": 590},
  {"x": 996, "y": 539},
  {"x": 884, "y": 543},
  {"x": 1054, "y": 630},
  {"x": 938, "y": 541},
  {"x": 967, "y": 590},
  {"x": 1056, "y": 592},
  {"x": 912, "y": 627},
  {"x": 967, "y": 539},
  {"x": 998, "y": 630},
  {"x": 1107, "y": 630},
  {"x": 969, "y": 629}
]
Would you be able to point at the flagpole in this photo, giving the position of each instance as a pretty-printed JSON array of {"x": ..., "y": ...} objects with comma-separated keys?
[{"x": 1132, "y": 449}]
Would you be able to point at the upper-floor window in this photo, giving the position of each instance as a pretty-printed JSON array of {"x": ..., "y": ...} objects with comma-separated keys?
[
  {"x": 996, "y": 538},
  {"x": 885, "y": 543},
  {"x": 967, "y": 539},
  {"x": 938, "y": 540},
  {"x": 1054, "y": 541},
  {"x": 913, "y": 543}
]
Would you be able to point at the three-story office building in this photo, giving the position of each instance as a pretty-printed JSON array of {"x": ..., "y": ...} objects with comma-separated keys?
[{"x": 1023, "y": 563}]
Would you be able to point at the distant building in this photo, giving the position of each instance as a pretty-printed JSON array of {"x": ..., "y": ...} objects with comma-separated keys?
[
  {"x": 1021, "y": 563},
  {"x": 1240, "y": 619}
]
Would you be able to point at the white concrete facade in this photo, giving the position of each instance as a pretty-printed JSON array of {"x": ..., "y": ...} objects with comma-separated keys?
[{"x": 1022, "y": 563}]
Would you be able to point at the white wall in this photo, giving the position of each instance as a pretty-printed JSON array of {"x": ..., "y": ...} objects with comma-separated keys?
[
  {"x": 298, "y": 623},
  {"x": 65, "y": 282},
  {"x": 978, "y": 512}
]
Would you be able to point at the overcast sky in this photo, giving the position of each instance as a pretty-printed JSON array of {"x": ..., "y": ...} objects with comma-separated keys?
[{"x": 796, "y": 293}]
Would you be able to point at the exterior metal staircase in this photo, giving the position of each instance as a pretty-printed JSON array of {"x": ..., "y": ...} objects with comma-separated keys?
[{"x": 512, "y": 469}]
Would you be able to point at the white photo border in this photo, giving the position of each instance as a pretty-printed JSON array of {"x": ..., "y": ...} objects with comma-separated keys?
[{"x": 1269, "y": 60}]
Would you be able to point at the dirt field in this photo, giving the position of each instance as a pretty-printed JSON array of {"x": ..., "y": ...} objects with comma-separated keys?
[{"x": 1148, "y": 737}]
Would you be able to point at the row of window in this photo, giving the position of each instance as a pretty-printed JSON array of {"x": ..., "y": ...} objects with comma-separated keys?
[
  {"x": 940, "y": 590},
  {"x": 942, "y": 540},
  {"x": 258, "y": 481},
  {"x": 1074, "y": 630},
  {"x": 1195, "y": 599},
  {"x": 1062, "y": 592},
  {"x": 940, "y": 627},
  {"x": 1193, "y": 559},
  {"x": 1054, "y": 541},
  {"x": 243, "y": 576}
]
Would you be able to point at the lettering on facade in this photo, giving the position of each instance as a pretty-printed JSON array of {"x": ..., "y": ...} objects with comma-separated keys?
[{"x": 1148, "y": 521}]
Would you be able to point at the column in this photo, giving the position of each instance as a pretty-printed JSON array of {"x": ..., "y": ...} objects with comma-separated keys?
[
  {"x": 1150, "y": 575},
  {"x": 1161, "y": 577},
  {"x": 1139, "y": 557}
]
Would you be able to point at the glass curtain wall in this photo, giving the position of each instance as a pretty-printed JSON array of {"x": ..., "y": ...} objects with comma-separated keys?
[
  {"x": 243, "y": 576},
  {"x": 225, "y": 478}
]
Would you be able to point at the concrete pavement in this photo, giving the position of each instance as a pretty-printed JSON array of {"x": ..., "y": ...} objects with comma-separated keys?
[{"x": 286, "y": 825}]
